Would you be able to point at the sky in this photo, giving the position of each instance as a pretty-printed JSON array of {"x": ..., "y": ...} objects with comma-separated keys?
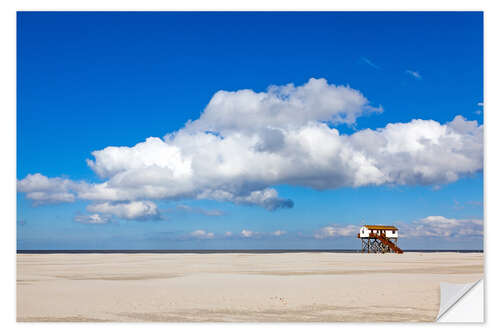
[{"x": 248, "y": 130}]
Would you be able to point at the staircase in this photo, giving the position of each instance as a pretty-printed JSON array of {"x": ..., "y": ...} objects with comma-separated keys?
[{"x": 389, "y": 244}]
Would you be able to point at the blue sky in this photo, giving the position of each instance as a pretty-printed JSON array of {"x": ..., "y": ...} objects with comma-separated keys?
[{"x": 87, "y": 81}]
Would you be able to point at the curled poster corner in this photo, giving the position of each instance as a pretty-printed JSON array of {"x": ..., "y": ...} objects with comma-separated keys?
[{"x": 462, "y": 303}]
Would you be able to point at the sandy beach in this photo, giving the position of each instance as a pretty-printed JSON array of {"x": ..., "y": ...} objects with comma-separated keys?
[{"x": 288, "y": 287}]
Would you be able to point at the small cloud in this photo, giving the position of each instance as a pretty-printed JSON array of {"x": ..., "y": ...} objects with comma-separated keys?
[
  {"x": 278, "y": 233},
  {"x": 92, "y": 219},
  {"x": 131, "y": 210},
  {"x": 480, "y": 104},
  {"x": 202, "y": 234},
  {"x": 369, "y": 63},
  {"x": 336, "y": 231},
  {"x": 378, "y": 109},
  {"x": 415, "y": 74},
  {"x": 440, "y": 226},
  {"x": 228, "y": 234},
  {"x": 247, "y": 233}
]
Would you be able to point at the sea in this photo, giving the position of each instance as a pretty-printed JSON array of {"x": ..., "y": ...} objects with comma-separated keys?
[{"x": 226, "y": 251}]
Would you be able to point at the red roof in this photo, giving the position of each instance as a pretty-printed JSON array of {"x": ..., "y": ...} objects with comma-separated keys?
[{"x": 381, "y": 227}]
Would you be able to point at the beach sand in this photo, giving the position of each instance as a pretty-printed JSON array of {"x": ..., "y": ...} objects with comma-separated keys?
[{"x": 288, "y": 287}]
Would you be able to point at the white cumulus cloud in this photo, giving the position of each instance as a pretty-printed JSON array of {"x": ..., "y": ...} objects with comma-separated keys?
[
  {"x": 334, "y": 230},
  {"x": 92, "y": 219},
  {"x": 135, "y": 210},
  {"x": 246, "y": 142},
  {"x": 440, "y": 226},
  {"x": 202, "y": 234},
  {"x": 245, "y": 111},
  {"x": 44, "y": 190},
  {"x": 247, "y": 233}
]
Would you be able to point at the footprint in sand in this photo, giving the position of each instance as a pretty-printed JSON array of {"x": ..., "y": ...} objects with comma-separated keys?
[{"x": 282, "y": 300}]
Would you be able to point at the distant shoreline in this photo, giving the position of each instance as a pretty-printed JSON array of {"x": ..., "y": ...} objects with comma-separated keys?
[{"x": 268, "y": 251}]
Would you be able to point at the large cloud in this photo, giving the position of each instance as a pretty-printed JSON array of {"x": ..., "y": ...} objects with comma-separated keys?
[
  {"x": 246, "y": 142},
  {"x": 245, "y": 111}
]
